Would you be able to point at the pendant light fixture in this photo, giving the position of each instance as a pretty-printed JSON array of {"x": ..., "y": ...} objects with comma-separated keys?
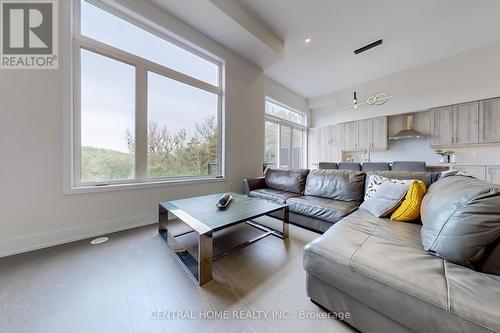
[{"x": 377, "y": 99}]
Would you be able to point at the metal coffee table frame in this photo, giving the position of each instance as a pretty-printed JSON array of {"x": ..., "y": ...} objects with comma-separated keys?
[{"x": 201, "y": 270}]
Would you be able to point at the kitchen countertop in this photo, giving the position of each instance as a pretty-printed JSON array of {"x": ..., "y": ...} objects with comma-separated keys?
[{"x": 434, "y": 165}]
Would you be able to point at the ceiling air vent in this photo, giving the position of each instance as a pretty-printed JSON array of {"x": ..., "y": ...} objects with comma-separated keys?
[{"x": 367, "y": 47}]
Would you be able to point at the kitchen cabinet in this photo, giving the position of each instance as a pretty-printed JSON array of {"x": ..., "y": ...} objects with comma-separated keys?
[
  {"x": 336, "y": 149},
  {"x": 326, "y": 144},
  {"x": 489, "y": 173},
  {"x": 350, "y": 135},
  {"x": 313, "y": 147},
  {"x": 466, "y": 123},
  {"x": 337, "y": 136},
  {"x": 330, "y": 144},
  {"x": 455, "y": 124},
  {"x": 379, "y": 139},
  {"x": 478, "y": 171},
  {"x": 493, "y": 174},
  {"x": 442, "y": 126},
  {"x": 489, "y": 121},
  {"x": 367, "y": 133}
]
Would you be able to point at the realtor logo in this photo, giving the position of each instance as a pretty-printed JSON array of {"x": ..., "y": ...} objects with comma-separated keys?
[{"x": 28, "y": 34}]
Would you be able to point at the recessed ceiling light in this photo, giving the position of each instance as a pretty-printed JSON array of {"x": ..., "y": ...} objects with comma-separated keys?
[{"x": 307, "y": 40}]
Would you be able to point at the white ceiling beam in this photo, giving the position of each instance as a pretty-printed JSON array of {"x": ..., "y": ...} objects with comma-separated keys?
[
  {"x": 229, "y": 24},
  {"x": 252, "y": 25}
]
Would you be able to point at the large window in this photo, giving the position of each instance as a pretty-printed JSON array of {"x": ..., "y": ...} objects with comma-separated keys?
[
  {"x": 108, "y": 105},
  {"x": 271, "y": 144},
  {"x": 182, "y": 133},
  {"x": 284, "y": 137},
  {"x": 146, "y": 109}
]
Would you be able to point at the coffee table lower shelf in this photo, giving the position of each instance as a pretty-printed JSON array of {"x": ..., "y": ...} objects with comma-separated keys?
[{"x": 200, "y": 270}]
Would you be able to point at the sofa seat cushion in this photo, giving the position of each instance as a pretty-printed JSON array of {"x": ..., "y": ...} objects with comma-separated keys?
[
  {"x": 383, "y": 265},
  {"x": 273, "y": 195},
  {"x": 321, "y": 208}
]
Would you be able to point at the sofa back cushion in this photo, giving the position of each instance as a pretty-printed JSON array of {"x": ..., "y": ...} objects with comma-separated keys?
[
  {"x": 293, "y": 180},
  {"x": 427, "y": 177},
  {"x": 460, "y": 217},
  {"x": 344, "y": 185}
]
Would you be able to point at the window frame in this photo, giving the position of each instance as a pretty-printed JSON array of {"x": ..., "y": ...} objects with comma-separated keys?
[
  {"x": 142, "y": 67},
  {"x": 284, "y": 106},
  {"x": 293, "y": 126}
]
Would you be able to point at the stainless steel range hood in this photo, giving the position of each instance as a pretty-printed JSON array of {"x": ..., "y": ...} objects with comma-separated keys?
[{"x": 409, "y": 132}]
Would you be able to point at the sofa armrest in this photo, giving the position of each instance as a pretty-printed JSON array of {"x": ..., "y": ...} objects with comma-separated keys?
[{"x": 250, "y": 184}]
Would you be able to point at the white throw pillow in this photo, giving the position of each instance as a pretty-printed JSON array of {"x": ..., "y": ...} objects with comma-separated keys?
[{"x": 384, "y": 195}]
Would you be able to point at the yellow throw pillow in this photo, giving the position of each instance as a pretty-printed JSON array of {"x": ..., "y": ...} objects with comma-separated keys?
[{"x": 409, "y": 210}]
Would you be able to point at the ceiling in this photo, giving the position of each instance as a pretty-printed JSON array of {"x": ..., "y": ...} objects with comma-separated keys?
[{"x": 414, "y": 33}]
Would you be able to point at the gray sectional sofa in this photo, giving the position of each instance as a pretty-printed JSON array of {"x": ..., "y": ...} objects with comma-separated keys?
[
  {"x": 319, "y": 198},
  {"x": 381, "y": 271},
  {"x": 316, "y": 198}
]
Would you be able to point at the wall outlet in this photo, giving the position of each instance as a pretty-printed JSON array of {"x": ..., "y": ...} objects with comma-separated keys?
[{"x": 473, "y": 153}]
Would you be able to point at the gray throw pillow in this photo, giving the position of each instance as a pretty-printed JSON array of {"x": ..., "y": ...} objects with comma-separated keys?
[
  {"x": 461, "y": 218},
  {"x": 384, "y": 195}
]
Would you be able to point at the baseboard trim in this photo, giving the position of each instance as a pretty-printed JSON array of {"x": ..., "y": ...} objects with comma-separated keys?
[{"x": 43, "y": 240}]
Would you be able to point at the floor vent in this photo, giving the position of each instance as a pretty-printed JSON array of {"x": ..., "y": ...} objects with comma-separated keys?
[{"x": 99, "y": 240}]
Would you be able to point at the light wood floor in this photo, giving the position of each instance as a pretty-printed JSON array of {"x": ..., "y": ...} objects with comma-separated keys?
[{"x": 116, "y": 286}]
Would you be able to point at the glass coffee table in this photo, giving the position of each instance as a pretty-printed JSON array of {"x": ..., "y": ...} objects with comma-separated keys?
[{"x": 203, "y": 218}]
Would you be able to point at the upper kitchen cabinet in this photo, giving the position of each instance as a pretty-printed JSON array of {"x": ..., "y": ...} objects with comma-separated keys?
[
  {"x": 337, "y": 135},
  {"x": 466, "y": 123},
  {"x": 442, "y": 125},
  {"x": 489, "y": 121},
  {"x": 379, "y": 138},
  {"x": 365, "y": 133},
  {"x": 350, "y": 135},
  {"x": 368, "y": 133},
  {"x": 455, "y": 124}
]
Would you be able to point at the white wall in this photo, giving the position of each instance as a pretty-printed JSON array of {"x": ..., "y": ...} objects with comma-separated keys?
[
  {"x": 33, "y": 210},
  {"x": 465, "y": 77},
  {"x": 284, "y": 95},
  {"x": 402, "y": 150},
  {"x": 420, "y": 150}
]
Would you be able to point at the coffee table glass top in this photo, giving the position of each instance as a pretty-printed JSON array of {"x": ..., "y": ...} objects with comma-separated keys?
[{"x": 203, "y": 216}]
